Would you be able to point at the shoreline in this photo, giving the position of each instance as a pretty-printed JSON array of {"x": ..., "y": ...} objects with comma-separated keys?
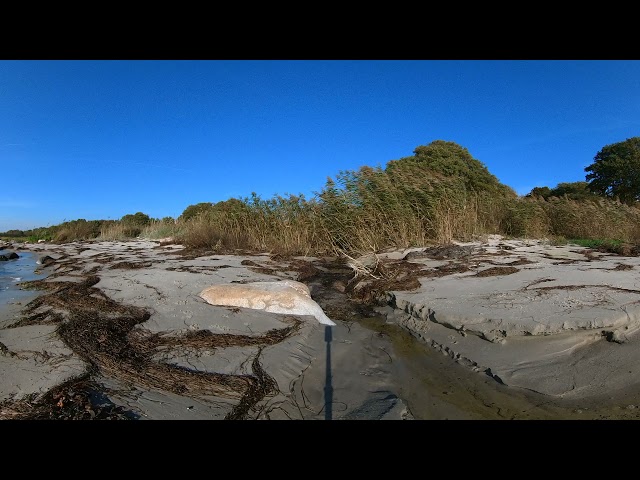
[
  {"x": 167, "y": 332},
  {"x": 14, "y": 299}
]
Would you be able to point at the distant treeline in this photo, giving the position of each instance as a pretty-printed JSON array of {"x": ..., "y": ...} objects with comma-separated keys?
[
  {"x": 438, "y": 194},
  {"x": 131, "y": 225}
]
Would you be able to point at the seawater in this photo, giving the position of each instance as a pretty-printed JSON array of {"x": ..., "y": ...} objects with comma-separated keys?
[{"x": 12, "y": 273}]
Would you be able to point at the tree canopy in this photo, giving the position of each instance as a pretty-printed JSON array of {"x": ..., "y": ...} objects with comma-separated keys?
[
  {"x": 193, "y": 211},
  {"x": 615, "y": 171},
  {"x": 544, "y": 192},
  {"x": 230, "y": 206},
  {"x": 139, "y": 219},
  {"x": 451, "y": 160},
  {"x": 573, "y": 190}
]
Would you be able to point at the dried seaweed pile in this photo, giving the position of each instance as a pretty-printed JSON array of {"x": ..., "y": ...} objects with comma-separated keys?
[
  {"x": 73, "y": 400},
  {"x": 102, "y": 332}
]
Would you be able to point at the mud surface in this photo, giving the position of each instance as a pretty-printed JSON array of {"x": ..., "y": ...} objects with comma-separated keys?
[
  {"x": 101, "y": 331},
  {"x": 122, "y": 354},
  {"x": 433, "y": 385}
]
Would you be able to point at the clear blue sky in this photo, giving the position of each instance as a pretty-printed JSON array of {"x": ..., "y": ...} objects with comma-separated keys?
[{"x": 101, "y": 139}]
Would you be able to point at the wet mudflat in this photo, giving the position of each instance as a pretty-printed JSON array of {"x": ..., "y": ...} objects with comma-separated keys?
[{"x": 130, "y": 315}]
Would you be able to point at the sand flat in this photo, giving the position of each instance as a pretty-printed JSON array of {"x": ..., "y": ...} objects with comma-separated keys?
[
  {"x": 564, "y": 324},
  {"x": 132, "y": 309},
  {"x": 523, "y": 315}
]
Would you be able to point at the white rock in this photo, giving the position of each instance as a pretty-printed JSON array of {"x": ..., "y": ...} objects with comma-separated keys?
[{"x": 288, "y": 296}]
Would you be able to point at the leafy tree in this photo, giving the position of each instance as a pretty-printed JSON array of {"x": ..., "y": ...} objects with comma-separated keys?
[
  {"x": 139, "y": 219},
  {"x": 615, "y": 171},
  {"x": 573, "y": 190},
  {"x": 13, "y": 233},
  {"x": 230, "y": 206},
  {"x": 193, "y": 211},
  {"x": 544, "y": 192},
  {"x": 451, "y": 160}
]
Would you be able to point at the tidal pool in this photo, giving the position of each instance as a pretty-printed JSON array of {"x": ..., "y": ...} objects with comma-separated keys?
[{"x": 435, "y": 387}]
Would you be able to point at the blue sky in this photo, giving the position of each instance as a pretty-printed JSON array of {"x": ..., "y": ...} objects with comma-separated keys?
[{"x": 102, "y": 139}]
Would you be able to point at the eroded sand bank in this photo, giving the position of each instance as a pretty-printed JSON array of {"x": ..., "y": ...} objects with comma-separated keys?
[{"x": 559, "y": 320}]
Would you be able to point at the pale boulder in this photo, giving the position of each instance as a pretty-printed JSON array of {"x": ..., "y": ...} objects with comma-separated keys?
[{"x": 287, "y": 296}]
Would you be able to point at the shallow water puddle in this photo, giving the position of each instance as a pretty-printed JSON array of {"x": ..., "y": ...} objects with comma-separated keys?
[
  {"x": 435, "y": 387},
  {"x": 12, "y": 273}
]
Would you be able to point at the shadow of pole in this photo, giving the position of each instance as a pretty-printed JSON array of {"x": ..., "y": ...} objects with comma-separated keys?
[{"x": 328, "y": 387}]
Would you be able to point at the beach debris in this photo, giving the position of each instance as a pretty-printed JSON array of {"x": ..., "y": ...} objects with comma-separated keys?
[
  {"x": 46, "y": 260},
  {"x": 130, "y": 265},
  {"x": 367, "y": 265},
  {"x": 444, "y": 252},
  {"x": 286, "y": 296}
]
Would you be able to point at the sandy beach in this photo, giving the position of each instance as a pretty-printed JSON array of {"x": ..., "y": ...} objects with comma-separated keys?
[{"x": 496, "y": 329}]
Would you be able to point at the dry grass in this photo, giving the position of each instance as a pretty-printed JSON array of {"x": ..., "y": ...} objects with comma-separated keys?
[
  {"x": 288, "y": 225},
  {"x": 75, "y": 230},
  {"x": 562, "y": 218},
  {"x": 593, "y": 219},
  {"x": 118, "y": 232},
  {"x": 161, "y": 229},
  {"x": 372, "y": 209}
]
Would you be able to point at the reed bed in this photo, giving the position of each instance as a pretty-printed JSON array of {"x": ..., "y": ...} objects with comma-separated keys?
[{"x": 438, "y": 195}]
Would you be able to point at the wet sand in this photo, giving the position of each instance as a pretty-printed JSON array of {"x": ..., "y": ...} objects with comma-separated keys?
[{"x": 118, "y": 331}]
